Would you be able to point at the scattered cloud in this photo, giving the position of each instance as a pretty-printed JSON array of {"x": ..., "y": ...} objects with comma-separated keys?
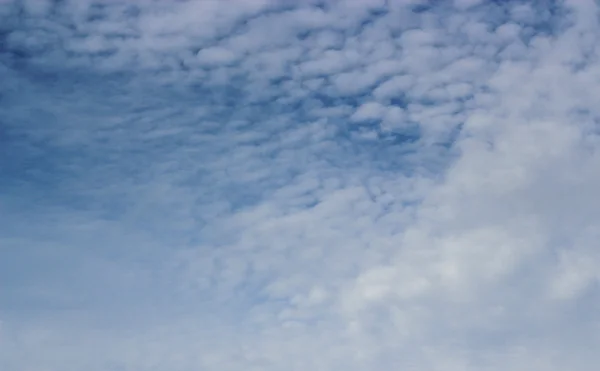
[{"x": 266, "y": 185}]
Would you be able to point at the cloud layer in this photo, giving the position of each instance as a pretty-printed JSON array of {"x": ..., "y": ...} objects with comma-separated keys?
[{"x": 317, "y": 185}]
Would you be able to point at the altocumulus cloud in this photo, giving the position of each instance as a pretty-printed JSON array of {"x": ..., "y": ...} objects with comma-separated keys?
[{"x": 312, "y": 185}]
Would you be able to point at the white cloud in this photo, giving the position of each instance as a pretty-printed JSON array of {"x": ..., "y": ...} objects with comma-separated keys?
[
  {"x": 394, "y": 87},
  {"x": 266, "y": 186},
  {"x": 216, "y": 56},
  {"x": 369, "y": 111}
]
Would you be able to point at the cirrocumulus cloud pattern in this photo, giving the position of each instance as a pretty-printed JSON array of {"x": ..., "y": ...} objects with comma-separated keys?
[{"x": 270, "y": 185}]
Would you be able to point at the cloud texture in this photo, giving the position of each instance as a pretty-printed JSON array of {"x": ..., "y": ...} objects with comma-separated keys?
[{"x": 314, "y": 185}]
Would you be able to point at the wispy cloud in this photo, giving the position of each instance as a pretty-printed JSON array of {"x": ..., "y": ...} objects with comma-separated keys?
[{"x": 265, "y": 185}]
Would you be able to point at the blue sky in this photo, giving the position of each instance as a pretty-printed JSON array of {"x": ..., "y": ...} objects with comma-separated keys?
[{"x": 316, "y": 185}]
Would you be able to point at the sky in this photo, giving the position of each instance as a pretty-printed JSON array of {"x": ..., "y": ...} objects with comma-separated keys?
[{"x": 269, "y": 185}]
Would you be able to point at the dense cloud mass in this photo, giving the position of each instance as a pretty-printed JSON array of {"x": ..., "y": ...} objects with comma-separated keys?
[{"x": 299, "y": 185}]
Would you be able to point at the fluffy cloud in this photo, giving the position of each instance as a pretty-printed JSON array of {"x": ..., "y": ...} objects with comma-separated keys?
[{"x": 265, "y": 185}]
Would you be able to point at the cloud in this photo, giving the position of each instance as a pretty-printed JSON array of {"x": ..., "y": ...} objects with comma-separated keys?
[{"x": 265, "y": 185}]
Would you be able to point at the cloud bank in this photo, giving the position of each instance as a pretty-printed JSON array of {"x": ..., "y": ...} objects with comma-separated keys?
[{"x": 317, "y": 185}]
